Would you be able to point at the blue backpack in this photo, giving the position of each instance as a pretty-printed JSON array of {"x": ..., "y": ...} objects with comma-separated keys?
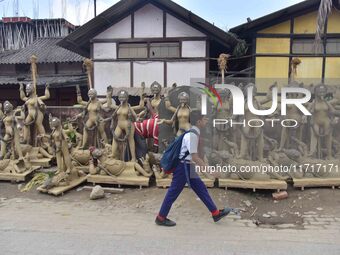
[{"x": 170, "y": 158}]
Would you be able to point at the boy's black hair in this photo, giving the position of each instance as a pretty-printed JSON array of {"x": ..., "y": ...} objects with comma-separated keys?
[{"x": 195, "y": 116}]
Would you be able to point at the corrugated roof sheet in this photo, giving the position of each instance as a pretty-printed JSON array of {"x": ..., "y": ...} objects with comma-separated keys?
[
  {"x": 55, "y": 80},
  {"x": 47, "y": 51}
]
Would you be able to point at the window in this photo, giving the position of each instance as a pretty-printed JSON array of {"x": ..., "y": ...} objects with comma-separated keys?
[
  {"x": 333, "y": 46},
  {"x": 164, "y": 50},
  {"x": 305, "y": 46},
  {"x": 156, "y": 50},
  {"x": 133, "y": 50}
]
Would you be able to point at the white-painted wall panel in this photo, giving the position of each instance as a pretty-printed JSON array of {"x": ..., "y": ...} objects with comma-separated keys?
[
  {"x": 177, "y": 28},
  {"x": 104, "y": 51},
  {"x": 148, "y": 22},
  {"x": 193, "y": 49},
  {"x": 182, "y": 72},
  {"x": 116, "y": 74},
  {"x": 122, "y": 29},
  {"x": 148, "y": 72}
]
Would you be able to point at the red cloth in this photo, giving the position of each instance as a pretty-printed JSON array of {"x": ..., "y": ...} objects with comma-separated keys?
[{"x": 148, "y": 128}]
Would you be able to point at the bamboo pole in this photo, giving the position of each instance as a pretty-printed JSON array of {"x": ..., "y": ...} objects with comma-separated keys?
[
  {"x": 34, "y": 72},
  {"x": 88, "y": 64}
]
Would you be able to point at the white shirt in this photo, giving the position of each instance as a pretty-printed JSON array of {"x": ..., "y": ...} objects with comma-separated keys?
[{"x": 190, "y": 143}]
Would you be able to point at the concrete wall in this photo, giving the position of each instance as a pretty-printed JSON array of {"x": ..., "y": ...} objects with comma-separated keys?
[
  {"x": 149, "y": 25},
  {"x": 194, "y": 49},
  {"x": 120, "y": 30},
  {"x": 181, "y": 72},
  {"x": 177, "y": 28},
  {"x": 148, "y": 22},
  {"x": 104, "y": 50},
  {"x": 116, "y": 74},
  {"x": 148, "y": 72}
]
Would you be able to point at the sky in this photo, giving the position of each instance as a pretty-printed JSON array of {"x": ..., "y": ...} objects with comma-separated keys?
[{"x": 223, "y": 13}]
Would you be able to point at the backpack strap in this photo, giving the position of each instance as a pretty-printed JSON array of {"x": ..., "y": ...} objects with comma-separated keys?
[
  {"x": 186, "y": 169},
  {"x": 186, "y": 132}
]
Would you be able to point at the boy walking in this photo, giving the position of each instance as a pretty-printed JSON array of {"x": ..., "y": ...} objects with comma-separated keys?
[{"x": 185, "y": 172}]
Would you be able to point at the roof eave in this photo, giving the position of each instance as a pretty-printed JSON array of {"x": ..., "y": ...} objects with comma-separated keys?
[
  {"x": 75, "y": 41},
  {"x": 308, "y": 5}
]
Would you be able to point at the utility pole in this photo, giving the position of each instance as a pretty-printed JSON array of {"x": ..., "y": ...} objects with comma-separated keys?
[{"x": 95, "y": 8}]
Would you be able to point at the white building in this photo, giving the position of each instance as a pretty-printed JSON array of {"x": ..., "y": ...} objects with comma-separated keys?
[{"x": 138, "y": 41}]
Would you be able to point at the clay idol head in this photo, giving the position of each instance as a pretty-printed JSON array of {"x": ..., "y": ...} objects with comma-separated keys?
[
  {"x": 29, "y": 89},
  {"x": 320, "y": 90},
  {"x": 123, "y": 96},
  {"x": 54, "y": 122},
  {"x": 8, "y": 107},
  {"x": 92, "y": 94},
  {"x": 183, "y": 98},
  {"x": 155, "y": 88}
]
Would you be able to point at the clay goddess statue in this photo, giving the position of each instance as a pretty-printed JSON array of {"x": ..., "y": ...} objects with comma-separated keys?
[
  {"x": 321, "y": 122},
  {"x": 59, "y": 139},
  {"x": 181, "y": 118},
  {"x": 92, "y": 109},
  {"x": 252, "y": 139},
  {"x": 113, "y": 167},
  {"x": 34, "y": 105},
  {"x": 223, "y": 132},
  {"x": 35, "y": 110},
  {"x": 10, "y": 144},
  {"x": 123, "y": 117}
]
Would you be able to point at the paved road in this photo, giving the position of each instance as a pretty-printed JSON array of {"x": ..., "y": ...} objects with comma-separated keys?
[{"x": 44, "y": 227}]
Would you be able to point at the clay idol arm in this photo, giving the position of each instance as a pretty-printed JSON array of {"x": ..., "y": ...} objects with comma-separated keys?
[
  {"x": 164, "y": 121},
  {"x": 79, "y": 98},
  {"x": 22, "y": 93},
  {"x": 269, "y": 96},
  {"x": 140, "y": 106},
  {"x": 1, "y": 113},
  {"x": 47, "y": 93},
  {"x": 169, "y": 106}
]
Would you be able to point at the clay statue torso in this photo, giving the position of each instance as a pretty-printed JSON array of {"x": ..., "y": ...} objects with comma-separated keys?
[
  {"x": 223, "y": 112},
  {"x": 155, "y": 103},
  {"x": 8, "y": 122},
  {"x": 93, "y": 109},
  {"x": 294, "y": 113},
  {"x": 115, "y": 167},
  {"x": 183, "y": 118},
  {"x": 57, "y": 138},
  {"x": 247, "y": 113},
  {"x": 321, "y": 116},
  {"x": 122, "y": 115},
  {"x": 32, "y": 106}
]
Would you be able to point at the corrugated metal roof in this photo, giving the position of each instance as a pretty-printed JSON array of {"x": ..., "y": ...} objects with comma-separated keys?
[
  {"x": 79, "y": 40},
  {"x": 7, "y": 53},
  {"x": 55, "y": 80},
  {"x": 47, "y": 51}
]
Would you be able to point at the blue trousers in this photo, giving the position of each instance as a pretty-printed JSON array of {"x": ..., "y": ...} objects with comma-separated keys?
[{"x": 178, "y": 182}]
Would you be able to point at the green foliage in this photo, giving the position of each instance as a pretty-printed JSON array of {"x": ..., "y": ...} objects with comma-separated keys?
[
  {"x": 241, "y": 47},
  {"x": 72, "y": 136}
]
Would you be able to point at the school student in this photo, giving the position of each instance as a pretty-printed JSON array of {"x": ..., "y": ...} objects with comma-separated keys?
[{"x": 185, "y": 172}]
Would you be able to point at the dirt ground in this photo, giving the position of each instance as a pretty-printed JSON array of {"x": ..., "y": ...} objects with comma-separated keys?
[{"x": 257, "y": 206}]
